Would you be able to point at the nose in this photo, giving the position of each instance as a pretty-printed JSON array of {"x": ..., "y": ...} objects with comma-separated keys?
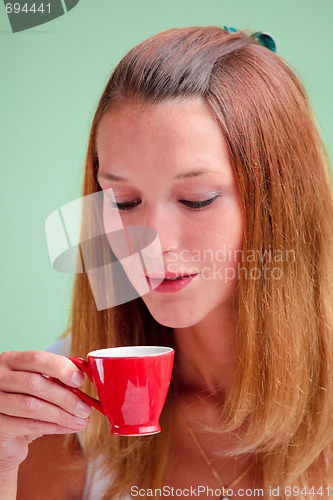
[{"x": 163, "y": 219}]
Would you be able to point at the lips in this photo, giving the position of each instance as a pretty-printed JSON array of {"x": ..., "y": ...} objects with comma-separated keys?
[
  {"x": 171, "y": 283},
  {"x": 169, "y": 276}
]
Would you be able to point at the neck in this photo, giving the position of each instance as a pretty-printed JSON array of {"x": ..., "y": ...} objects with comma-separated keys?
[{"x": 206, "y": 352}]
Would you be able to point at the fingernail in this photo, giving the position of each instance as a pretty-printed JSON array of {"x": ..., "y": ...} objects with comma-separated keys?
[
  {"x": 81, "y": 421},
  {"x": 78, "y": 378},
  {"x": 83, "y": 410}
]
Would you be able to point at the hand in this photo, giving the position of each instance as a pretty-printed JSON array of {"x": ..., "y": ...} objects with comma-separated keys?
[{"x": 32, "y": 405}]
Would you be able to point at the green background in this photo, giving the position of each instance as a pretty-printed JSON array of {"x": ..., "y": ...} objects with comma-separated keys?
[{"x": 51, "y": 79}]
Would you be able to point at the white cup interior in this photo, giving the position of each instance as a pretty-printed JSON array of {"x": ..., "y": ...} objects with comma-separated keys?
[{"x": 129, "y": 351}]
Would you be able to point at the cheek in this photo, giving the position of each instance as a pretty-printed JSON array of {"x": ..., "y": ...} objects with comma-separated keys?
[
  {"x": 223, "y": 229},
  {"x": 111, "y": 217},
  {"x": 217, "y": 245},
  {"x": 231, "y": 223}
]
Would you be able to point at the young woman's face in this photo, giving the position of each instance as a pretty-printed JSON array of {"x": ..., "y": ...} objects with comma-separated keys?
[{"x": 177, "y": 178}]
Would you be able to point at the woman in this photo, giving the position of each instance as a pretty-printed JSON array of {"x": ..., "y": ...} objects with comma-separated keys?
[{"x": 208, "y": 137}]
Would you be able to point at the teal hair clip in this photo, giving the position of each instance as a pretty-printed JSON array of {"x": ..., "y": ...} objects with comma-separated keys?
[
  {"x": 231, "y": 30},
  {"x": 265, "y": 39}
]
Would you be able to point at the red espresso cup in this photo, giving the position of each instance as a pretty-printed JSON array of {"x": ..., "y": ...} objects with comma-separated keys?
[{"x": 132, "y": 383}]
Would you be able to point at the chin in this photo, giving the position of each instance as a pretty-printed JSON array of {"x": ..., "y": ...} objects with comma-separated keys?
[
  {"x": 175, "y": 323},
  {"x": 175, "y": 317}
]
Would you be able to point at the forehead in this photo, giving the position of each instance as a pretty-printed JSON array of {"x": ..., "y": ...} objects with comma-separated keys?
[{"x": 169, "y": 135}]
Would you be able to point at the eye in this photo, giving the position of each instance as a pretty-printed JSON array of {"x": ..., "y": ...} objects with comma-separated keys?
[
  {"x": 198, "y": 205},
  {"x": 193, "y": 205},
  {"x": 126, "y": 205}
]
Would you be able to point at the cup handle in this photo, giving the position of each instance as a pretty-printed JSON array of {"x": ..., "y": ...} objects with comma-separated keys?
[{"x": 84, "y": 365}]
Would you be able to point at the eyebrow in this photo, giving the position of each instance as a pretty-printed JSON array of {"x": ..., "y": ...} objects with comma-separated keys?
[{"x": 186, "y": 175}]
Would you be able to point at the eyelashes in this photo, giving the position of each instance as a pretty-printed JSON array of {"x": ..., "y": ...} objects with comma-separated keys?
[
  {"x": 198, "y": 205},
  {"x": 192, "y": 205},
  {"x": 124, "y": 207}
]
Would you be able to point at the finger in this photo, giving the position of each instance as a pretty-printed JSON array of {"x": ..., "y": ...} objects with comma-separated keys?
[
  {"x": 20, "y": 405},
  {"x": 44, "y": 388},
  {"x": 16, "y": 426},
  {"x": 47, "y": 363}
]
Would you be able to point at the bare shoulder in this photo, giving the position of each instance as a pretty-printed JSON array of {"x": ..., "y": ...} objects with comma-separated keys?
[{"x": 48, "y": 471}]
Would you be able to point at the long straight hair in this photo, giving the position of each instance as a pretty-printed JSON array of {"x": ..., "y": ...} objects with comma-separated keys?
[{"x": 282, "y": 387}]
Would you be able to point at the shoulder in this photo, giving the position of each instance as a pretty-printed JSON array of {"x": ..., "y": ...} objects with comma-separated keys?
[{"x": 50, "y": 471}]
